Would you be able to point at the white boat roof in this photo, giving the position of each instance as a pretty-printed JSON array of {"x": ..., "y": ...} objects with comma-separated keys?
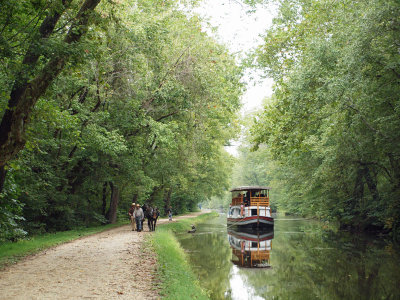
[{"x": 249, "y": 188}]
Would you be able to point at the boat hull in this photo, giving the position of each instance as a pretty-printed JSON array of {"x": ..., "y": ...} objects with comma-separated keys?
[
  {"x": 253, "y": 222},
  {"x": 251, "y": 235}
]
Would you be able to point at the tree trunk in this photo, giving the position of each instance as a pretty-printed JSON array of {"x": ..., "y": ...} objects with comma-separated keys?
[
  {"x": 358, "y": 192},
  {"x": 372, "y": 184},
  {"x": 104, "y": 203},
  {"x": 3, "y": 173},
  {"x": 151, "y": 197},
  {"x": 135, "y": 198},
  {"x": 167, "y": 199},
  {"x": 25, "y": 94},
  {"x": 395, "y": 168},
  {"x": 112, "y": 211}
]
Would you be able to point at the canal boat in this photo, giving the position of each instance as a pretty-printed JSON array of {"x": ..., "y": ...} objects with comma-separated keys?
[
  {"x": 250, "y": 208},
  {"x": 251, "y": 249}
]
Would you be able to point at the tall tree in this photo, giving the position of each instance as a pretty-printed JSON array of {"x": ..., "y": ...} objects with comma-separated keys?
[
  {"x": 333, "y": 120},
  {"x": 141, "y": 111},
  {"x": 29, "y": 86}
]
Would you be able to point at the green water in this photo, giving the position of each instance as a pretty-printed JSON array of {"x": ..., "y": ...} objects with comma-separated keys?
[{"x": 306, "y": 262}]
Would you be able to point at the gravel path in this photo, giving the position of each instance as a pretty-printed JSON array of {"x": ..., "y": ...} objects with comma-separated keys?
[{"x": 110, "y": 265}]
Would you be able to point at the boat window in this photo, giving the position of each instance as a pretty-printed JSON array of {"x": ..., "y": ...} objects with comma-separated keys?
[
  {"x": 236, "y": 194},
  {"x": 264, "y": 193},
  {"x": 254, "y": 212}
]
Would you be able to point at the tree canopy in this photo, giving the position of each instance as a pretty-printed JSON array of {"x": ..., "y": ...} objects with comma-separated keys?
[
  {"x": 105, "y": 103},
  {"x": 138, "y": 108},
  {"x": 333, "y": 122}
]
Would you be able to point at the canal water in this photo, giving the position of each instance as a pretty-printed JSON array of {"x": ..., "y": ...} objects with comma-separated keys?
[{"x": 300, "y": 259}]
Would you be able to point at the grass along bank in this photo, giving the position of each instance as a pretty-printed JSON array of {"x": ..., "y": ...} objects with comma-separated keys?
[
  {"x": 11, "y": 252},
  {"x": 177, "y": 278}
]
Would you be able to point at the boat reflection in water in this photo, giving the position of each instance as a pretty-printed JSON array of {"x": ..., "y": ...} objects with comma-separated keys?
[{"x": 251, "y": 249}]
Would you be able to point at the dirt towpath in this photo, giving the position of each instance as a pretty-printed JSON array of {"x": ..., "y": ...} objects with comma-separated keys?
[{"x": 110, "y": 265}]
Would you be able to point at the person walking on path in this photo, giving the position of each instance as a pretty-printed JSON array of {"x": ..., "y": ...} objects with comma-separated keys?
[
  {"x": 169, "y": 211},
  {"x": 139, "y": 216},
  {"x": 132, "y": 217}
]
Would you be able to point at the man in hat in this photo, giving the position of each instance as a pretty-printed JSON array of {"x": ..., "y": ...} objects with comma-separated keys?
[
  {"x": 139, "y": 216},
  {"x": 131, "y": 214}
]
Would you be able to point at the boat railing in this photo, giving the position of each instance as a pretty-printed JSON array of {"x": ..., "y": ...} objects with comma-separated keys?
[
  {"x": 260, "y": 255},
  {"x": 259, "y": 201},
  {"x": 255, "y": 257},
  {"x": 237, "y": 200},
  {"x": 254, "y": 201}
]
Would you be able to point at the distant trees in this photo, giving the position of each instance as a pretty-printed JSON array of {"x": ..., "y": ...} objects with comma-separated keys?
[
  {"x": 334, "y": 122},
  {"x": 138, "y": 112}
]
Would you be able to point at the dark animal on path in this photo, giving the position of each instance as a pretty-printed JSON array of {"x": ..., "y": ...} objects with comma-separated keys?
[
  {"x": 193, "y": 230},
  {"x": 151, "y": 214},
  {"x": 144, "y": 208}
]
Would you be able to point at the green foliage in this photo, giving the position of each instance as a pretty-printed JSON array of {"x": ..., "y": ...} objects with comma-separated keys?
[
  {"x": 10, "y": 211},
  {"x": 333, "y": 122},
  {"x": 140, "y": 112}
]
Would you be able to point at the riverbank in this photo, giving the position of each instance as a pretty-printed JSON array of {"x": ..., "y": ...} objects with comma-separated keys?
[{"x": 177, "y": 280}]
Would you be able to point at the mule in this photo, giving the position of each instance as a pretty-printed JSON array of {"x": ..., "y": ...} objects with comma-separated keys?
[{"x": 151, "y": 214}]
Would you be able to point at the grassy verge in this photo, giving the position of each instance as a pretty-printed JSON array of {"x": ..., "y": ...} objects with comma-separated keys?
[
  {"x": 11, "y": 252},
  {"x": 177, "y": 279}
]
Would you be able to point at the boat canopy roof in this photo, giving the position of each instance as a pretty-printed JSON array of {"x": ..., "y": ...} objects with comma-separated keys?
[{"x": 250, "y": 188}]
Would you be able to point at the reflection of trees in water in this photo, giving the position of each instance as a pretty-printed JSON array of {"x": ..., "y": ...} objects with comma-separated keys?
[
  {"x": 364, "y": 268},
  {"x": 306, "y": 263},
  {"x": 213, "y": 254},
  {"x": 327, "y": 265}
]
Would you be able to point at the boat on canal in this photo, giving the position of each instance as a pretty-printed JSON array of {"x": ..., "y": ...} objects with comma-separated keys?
[
  {"x": 251, "y": 249},
  {"x": 250, "y": 208}
]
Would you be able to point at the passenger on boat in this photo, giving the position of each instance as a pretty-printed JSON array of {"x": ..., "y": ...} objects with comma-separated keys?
[{"x": 246, "y": 199}]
